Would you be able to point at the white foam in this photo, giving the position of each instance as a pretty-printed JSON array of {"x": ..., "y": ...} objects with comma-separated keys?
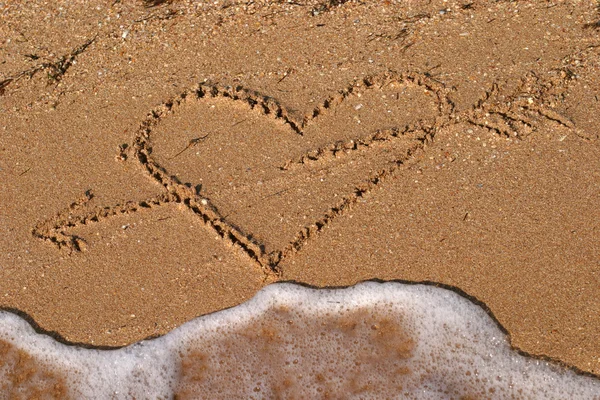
[{"x": 369, "y": 341}]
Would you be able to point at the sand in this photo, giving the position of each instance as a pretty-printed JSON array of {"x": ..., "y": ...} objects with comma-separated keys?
[{"x": 163, "y": 161}]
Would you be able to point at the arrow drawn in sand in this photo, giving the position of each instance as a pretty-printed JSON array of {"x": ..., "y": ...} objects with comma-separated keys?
[{"x": 415, "y": 137}]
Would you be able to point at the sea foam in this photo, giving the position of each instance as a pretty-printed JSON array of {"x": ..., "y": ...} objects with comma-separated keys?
[{"x": 373, "y": 340}]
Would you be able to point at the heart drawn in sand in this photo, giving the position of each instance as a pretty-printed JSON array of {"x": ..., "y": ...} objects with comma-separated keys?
[{"x": 267, "y": 178}]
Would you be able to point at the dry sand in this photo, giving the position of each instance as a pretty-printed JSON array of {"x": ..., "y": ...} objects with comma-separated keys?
[{"x": 328, "y": 143}]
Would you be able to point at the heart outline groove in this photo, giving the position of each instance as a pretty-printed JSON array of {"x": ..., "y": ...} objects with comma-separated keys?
[{"x": 77, "y": 214}]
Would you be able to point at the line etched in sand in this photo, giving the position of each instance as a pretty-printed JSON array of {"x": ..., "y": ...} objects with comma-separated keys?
[
  {"x": 56, "y": 69},
  {"x": 511, "y": 116},
  {"x": 519, "y": 114}
]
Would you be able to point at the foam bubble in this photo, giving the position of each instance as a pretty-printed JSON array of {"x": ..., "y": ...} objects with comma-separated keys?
[{"x": 372, "y": 340}]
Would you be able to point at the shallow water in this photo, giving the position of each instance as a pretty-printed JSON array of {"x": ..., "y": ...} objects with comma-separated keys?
[{"x": 373, "y": 340}]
